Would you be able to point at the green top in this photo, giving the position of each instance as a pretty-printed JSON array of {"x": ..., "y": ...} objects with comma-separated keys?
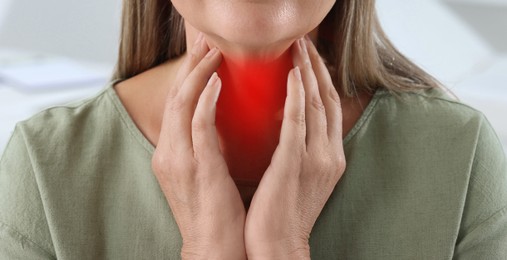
[{"x": 426, "y": 179}]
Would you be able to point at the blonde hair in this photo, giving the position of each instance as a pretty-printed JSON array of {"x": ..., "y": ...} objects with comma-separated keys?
[{"x": 357, "y": 52}]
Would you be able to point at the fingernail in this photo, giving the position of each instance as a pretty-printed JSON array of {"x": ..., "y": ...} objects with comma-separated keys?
[
  {"x": 218, "y": 84},
  {"x": 212, "y": 52},
  {"x": 213, "y": 79},
  {"x": 297, "y": 73}
]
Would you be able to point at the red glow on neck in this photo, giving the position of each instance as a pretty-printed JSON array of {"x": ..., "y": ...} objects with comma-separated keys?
[{"x": 249, "y": 112}]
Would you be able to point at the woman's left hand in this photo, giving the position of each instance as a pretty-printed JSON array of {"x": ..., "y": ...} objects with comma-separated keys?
[{"x": 305, "y": 167}]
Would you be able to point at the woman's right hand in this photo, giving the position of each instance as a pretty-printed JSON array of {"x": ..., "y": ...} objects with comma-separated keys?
[{"x": 190, "y": 168}]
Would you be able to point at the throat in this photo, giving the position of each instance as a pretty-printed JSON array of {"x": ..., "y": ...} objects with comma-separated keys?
[{"x": 249, "y": 113}]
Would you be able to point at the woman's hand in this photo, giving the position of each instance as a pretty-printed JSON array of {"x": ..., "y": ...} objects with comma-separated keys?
[
  {"x": 189, "y": 165},
  {"x": 305, "y": 167}
]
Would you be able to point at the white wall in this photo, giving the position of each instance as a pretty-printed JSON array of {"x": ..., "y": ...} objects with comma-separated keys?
[{"x": 86, "y": 30}]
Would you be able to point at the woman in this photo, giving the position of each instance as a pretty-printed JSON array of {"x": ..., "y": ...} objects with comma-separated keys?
[{"x": 281, "y": 154}]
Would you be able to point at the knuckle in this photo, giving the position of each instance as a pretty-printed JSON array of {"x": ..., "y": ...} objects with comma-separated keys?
[
  {"x": 163, "y": 163},
  {"x": 160, "y": 162},
  {"x": 337, "y": 160},
  {"x": 341, "y": 163},
  {"x": 194, "y": 58},
  {"x": 329, "y": 161},
  {"x": 317, "y": 103},
  {"x": 296, "y": 118},
  {"x": 173, "y": 93},
  {"x": 307, "y": 64},
  {"x": 200, "y": 151},
  {"x": 333, "y": 94},
  {"x": 178, "y": 104},
  {"x": 200, "y": 125}
]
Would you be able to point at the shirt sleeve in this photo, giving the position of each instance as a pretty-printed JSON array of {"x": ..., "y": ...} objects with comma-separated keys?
[
  {"x": 483, "y": 231},
  {"x": 24, "y": 232}
]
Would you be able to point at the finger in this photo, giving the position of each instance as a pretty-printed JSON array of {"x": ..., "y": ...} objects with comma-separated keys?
[
  {"x": 195, "y": 82},
  {"x": 177, "y": 121},
  {"x": 204, "y": 133},
  {"x": 191, "y": 89},
  {"x": 316, "y": 124},
  {"x": 171, "y": 132},
  {"x": 328, "y": 93},
  {"x": 293, "y": 130},
  {"x": 194, "y": 56}
]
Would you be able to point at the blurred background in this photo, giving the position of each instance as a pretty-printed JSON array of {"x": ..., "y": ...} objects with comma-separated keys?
[{"x": 56, "y": 51}]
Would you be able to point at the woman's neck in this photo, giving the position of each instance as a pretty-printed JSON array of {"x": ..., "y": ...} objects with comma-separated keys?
[
  {"x": 250, "y": 111},
  {"x": 253, "y": 92}
]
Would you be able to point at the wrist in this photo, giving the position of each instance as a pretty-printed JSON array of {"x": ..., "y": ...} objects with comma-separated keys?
[
  {"x": 223, "y": 250},
  {"x": 226, "y": 245},
  {"x": 215, "y": 252},
  {"x": 211, "y": 241},
  {"x": 282, "y": 250}
]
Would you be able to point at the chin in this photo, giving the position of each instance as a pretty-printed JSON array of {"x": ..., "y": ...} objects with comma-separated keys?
[
  {"x": 251, "y": 38},
  {"x": 249, "y": 28},
  {"x": 252, "y": 29}
]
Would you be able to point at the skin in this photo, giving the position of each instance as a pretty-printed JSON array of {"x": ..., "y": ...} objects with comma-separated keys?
[
  {"x": 252, "y": 29},
  {"x": 306, "y": 165},
  {"x": 174, "y": 106}
]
